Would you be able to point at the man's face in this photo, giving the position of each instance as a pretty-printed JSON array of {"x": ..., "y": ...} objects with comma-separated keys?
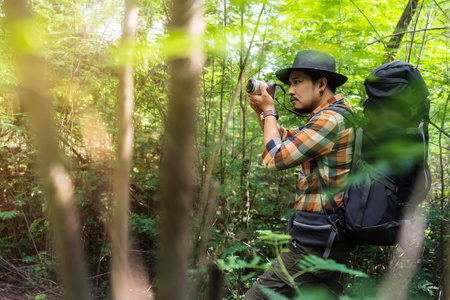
[{"x": 304, "y": 95}]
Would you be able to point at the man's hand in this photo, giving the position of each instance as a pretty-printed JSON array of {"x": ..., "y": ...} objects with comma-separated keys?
[
  {"x": 263, "y": 102},
  {"x": 257, "y": 110}
]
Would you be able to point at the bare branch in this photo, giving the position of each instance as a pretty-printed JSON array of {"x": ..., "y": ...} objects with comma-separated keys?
[
  {"x": 409, "y": 31},
  {"x": 424, "y": 36},
  {"x": 439, "y": 128},
  {"x": 376, "y": 31},
  {"x": 443, "y": 11},
  {"x": 205, "y": 194},
  {"x": 414, "y": 31}
]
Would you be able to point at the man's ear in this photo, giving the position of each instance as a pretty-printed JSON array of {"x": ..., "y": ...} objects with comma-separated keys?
[{"x": 323, "y": 82}]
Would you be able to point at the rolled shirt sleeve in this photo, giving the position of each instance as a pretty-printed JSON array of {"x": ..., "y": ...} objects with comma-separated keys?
[
  {"x": 297, "y": 146},
  {"x": 285, "y": 134}
]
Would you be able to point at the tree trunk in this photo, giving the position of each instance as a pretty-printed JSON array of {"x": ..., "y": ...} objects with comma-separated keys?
[
  {"x": 442, "y": 251},
  {"x": 242, "y": 105},
  {"x": 204, "y": 164},
  {"x": 243, "y": 175},
  {"x": 221, "y": 156},
  {"x": 178, "y": 163},
  {"x": 121, "y": 276},
  {"x": 57, "y": 185}
]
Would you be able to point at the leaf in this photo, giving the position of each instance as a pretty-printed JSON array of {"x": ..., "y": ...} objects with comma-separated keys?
[
  {"x": 28, "y": 259},
  {"x": 274, "y": 238},
  {"x": 313, "y": 263},
  {"x": 5, "y": 215},
  {"x": 271, "y": 294},
  {"x": 233, "y": 263},
  {"x": 35, "y": 223},
  {"x": 222, "y": 264}
]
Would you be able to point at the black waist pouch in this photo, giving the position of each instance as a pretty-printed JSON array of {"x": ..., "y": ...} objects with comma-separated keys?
[{"x": 317, "y": 230}]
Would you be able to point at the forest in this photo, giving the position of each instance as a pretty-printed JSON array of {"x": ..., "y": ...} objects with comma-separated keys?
[{"x": 130, "y": 159}]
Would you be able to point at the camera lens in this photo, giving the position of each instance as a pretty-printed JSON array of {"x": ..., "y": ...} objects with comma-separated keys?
[{"x": 252, "y": 86}]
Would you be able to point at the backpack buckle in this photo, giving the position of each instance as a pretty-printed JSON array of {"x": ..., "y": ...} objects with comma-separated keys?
[{"x": 413, "y": 131}]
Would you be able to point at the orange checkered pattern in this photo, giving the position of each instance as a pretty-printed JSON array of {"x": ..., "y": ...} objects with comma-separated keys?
[{"x": 325, "y": 142}]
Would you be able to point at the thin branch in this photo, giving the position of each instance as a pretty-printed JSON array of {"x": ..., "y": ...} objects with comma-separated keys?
[
  {"x": 269, "y": 17},
  {"x": 439, "y": 128},
  {"x": 31, "y": 235},
  {"x": 77, "y": 154},
  {"x": 204, "y": 236},
  {"x": 236, "y": 155},
  {"x": 441, "y": 162},
  {"x": 414, "y": 31},
  {"x": 443, "y": 11},
  {"x": 409, "y": 31},
  {"x": 253, "y": 37},
  {"x": 205, "y": 195},
  {"x": 424, "y": 36},
  {"x": 442, "y": 198},
  {"x": 376, "y": 31}
]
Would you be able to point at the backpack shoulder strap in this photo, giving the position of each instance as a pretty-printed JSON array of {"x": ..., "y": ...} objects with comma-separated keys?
[
  {"x": 354, "y": 122},
  {"x": 346, "y": 112}
]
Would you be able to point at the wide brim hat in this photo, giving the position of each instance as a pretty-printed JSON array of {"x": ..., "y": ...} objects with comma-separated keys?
[{"x": 316, "y": 62}]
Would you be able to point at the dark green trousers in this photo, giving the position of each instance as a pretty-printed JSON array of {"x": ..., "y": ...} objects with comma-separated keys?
[{"x": 325, "y": 282}]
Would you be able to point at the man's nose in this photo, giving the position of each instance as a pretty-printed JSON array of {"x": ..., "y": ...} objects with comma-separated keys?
[{"x": 291, "y": 91}]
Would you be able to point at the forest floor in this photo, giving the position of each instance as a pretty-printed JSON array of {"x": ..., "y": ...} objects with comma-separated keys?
[{"x": 17, "y": 283}]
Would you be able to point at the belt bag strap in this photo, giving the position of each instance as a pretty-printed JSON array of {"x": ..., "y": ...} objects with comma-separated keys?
[
  {"x": 290, "y": 223},
  {"x": 330, "y": 241}
]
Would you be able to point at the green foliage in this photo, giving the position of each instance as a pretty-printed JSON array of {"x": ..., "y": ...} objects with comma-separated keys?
[
  {"x": 143, "y": 225},
  {"x": 233, "y": 263},
  {"x": 80, "y": 42},
  {"x": 272, "y": 295},
  {"x": 311, "y": 263},
  {"x": 275, "y": 239},
  {"x": 4, "y": 215},
  {"x": 311, "y": 294}
]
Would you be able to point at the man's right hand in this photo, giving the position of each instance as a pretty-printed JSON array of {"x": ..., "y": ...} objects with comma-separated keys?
[
  {"x": 257, "y": 110},
  {"x": 261, "y": 103}
]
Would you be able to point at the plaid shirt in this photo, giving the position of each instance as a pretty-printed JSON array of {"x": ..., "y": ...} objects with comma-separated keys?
[{"x": 326, "y": 142}]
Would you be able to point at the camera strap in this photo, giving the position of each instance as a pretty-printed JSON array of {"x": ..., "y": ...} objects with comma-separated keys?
[{"x": 284, "y": 101}]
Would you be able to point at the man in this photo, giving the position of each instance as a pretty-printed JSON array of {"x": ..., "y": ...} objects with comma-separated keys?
[{"x": 323, "y": 146}]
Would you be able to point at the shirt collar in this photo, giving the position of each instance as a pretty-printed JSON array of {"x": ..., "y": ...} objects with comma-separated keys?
[{"x": 326, "y": 104}]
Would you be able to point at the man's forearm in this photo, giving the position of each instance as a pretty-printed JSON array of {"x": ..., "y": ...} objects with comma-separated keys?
[{"x": 271, "y": 130}]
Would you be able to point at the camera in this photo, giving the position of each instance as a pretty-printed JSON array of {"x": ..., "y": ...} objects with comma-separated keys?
[{"x": 253, "y": 87}]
